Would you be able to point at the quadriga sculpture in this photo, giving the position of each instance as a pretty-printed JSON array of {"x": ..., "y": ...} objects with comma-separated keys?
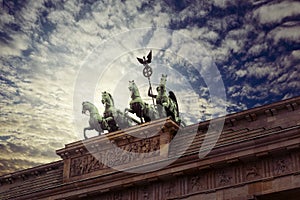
[
  {"x": 112, "y": 119},
  {"x": 137, "y": 106}
]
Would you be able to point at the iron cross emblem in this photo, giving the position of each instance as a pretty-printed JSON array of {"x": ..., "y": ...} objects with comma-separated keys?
[{"x": 147, "y": 71}]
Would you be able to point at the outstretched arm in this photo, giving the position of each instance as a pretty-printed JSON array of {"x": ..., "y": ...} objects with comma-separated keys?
[{"x": 150, "y": 93}]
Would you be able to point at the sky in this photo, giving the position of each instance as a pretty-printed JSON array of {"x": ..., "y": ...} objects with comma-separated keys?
[{"x": 221, "y": 57}]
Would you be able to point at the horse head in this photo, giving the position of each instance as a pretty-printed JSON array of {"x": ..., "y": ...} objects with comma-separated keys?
[
  {"x": 107, "y": 99},
  {"x": 131, "y": 85},
  {"x": 133, "y": 89},
  {"x": 84, "y": 107},
  {"x": 161, "y": 89},
  {"x": 87, "y": 106},
  {"x": 163, "y": 79}
]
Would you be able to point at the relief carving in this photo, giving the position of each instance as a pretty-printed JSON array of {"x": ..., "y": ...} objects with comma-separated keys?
[
  {"x": 196, "y": 183},
  {"x": 281, "y": 166},
  {"x": 251, "y": 171},
  {"x": 85, "y": 164},
  {"x": 170, "y": 188},
  {"x": 117, "y": 156},
  {"x": 224, "y": 178},
  {"x": 132, "y": 152}
]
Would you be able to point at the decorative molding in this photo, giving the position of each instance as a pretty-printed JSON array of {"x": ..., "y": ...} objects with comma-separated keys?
[
  {"x": 30, "y": 173},
  {"x": 271, "y": 112},
  {"x": 251, "y": 117},
  {"x": 208, "y": 180}
]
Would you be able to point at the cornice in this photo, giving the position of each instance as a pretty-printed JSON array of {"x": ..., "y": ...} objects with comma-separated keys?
[{"x": 28, "y": 173}]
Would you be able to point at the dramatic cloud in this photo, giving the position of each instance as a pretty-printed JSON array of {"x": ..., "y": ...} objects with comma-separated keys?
[{"x": 255, "y": 45}]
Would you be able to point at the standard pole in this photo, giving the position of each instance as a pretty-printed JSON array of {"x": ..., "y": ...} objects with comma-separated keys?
[{"x": 151, "y": 90}]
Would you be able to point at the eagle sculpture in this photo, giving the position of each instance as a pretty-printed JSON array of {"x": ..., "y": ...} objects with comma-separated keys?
[{"x": 145, "y": 61}]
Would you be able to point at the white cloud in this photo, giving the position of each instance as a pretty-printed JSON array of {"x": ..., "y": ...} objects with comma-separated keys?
[
  {"x": 15, "y": 46},
  {"x": 275, "y": 13},
  {"x": 285, "y": 33},
  {"x": 5, "y": 19},
  {"x": 241, "y": 73},
  {"x": 257, "y": 48},
  {"x": 259, "y": 71}
]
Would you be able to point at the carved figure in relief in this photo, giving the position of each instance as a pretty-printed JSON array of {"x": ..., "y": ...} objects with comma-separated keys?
[
  {"x": 146, "y": 146},
  {"x": 224, "y": 178},
  {"x": 155, "y": 147},
  {"x": 169, "y": 190},
  {"x": 281, "y": 166},
  {"x": 251, "y": 172},
  {"x": 84, "y": 165},
  {"x": 75, "y": 168},
  {"x": 195, "y": 182}
]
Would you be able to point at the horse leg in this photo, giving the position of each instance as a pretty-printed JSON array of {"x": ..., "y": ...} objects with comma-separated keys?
[
  {"x": 99, "y": 127},
  {"x": 146, "y": 114},
  {"x": 84, "y": 130},
  {"x": 140, "y": 115},
  {"x": 140, "y": 112}
]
